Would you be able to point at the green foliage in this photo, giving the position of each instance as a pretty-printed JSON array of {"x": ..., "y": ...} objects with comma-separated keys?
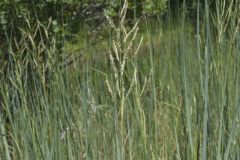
[
  {"x": 137, "y": 8},
  {"x": 154, "y": 6}
]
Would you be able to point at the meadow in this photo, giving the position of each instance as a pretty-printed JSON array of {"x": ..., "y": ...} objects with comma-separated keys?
[{"x": 160, "y": 89}]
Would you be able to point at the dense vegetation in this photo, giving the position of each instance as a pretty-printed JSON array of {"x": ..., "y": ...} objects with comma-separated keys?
[{"x": 116, "y": 79}]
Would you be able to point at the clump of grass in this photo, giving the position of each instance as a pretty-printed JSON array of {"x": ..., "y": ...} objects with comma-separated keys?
[
  {"x": 123, "y": 59},
  {"x": 26, "y": 78}
]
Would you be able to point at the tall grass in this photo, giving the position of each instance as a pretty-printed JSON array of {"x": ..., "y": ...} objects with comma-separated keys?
[{"x": 162, "y": 91}]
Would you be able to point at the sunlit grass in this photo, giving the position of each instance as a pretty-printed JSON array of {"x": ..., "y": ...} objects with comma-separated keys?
[{"x": 177, "y": 97}]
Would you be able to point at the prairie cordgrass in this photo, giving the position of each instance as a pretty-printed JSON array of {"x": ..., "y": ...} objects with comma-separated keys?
[{"x": 163, "y": 90}]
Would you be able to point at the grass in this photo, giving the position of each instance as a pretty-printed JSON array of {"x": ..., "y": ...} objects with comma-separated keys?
[{"x": 171, "y": 92}]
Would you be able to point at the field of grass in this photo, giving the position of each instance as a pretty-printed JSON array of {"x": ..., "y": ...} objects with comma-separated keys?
[{"x": 160, "y": 90}]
